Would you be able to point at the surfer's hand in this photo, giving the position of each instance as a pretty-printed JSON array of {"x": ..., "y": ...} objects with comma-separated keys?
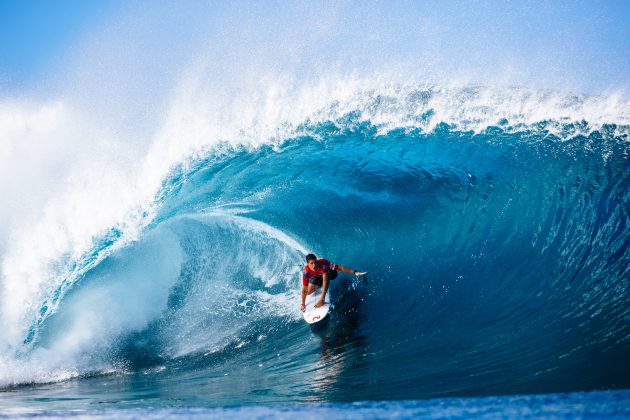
[
  {"x": 360, "y": 273},
  {"x": 302, "y": 307},
  {"x": 319, "y": 303}
]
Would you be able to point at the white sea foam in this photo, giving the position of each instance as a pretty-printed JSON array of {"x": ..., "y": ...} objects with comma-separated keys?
[
  {"x": 217, "y": 305},
  {"x": 134, "y": 289}
]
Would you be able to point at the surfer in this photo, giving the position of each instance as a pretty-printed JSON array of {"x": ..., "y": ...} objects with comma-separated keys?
[{"x": 317, "y": 273}]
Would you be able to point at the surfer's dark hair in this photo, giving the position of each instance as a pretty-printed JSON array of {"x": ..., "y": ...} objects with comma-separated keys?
[{"x": 310, "y": 257}]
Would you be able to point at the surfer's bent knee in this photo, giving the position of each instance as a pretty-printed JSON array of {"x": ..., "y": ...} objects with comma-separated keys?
[{"x": 316, "y": 282}]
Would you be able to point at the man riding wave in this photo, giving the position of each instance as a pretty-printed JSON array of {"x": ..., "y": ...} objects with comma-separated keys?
[{"x": 318, "y": 273}]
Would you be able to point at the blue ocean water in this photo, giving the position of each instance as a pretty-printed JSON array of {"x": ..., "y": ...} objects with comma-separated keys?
[
  {"x": 611, "y": 404},
  {"x": 498, "y": 260}
]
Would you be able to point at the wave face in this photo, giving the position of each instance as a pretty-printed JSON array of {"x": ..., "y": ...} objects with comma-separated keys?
[{"x": 498, "y": 258}]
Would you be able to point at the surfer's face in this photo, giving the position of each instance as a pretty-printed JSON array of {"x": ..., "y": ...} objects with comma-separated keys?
[{"x": 311, "y": 264}]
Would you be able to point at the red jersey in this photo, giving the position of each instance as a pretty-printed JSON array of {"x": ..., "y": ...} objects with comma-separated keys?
[{"x": 321, "y": 266}]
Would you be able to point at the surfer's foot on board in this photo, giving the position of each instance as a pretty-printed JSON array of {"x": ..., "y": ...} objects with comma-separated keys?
[{"x": 319, "y": 303}]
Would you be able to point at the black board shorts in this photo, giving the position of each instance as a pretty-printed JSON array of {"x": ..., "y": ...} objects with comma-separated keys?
[{"x": 319, "y": 280}]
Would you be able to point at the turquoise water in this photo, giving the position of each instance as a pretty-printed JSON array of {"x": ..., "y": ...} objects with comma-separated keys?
[{"x": 498, "y": 264}]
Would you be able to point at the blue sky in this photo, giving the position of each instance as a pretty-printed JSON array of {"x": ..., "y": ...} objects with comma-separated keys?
[
  {"x": 34, "y": 32},
  {"x": 585, "y": 44}
]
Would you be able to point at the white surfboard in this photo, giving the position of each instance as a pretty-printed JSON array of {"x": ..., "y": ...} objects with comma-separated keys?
[{"x": 313, "y": 314}]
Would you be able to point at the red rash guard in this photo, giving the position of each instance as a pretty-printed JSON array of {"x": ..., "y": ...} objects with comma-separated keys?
[{"x": 321, "y": 266}]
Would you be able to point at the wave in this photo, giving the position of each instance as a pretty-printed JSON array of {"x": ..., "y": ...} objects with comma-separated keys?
[{"x": 494, "y": 225}]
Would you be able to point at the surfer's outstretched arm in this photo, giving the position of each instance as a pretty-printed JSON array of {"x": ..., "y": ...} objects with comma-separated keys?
[{"x": 351, "y": 271}]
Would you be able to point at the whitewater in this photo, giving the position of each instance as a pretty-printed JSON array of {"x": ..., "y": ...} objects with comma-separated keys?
[{"x": 151, "y": 249}]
